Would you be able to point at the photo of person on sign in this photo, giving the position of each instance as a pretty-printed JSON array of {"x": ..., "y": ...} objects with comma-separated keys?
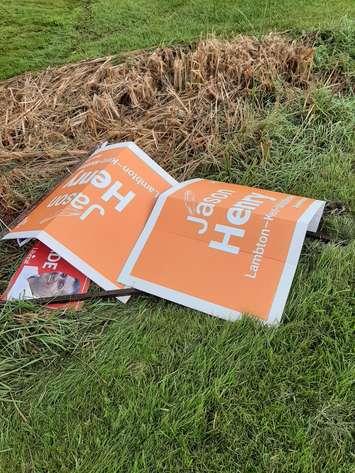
[
  {"x": 30, "y": 284},
  {"x": 53, "y": 284}
]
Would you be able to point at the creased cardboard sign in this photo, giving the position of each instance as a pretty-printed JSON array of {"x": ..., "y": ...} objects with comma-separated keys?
[
  {"x": 94, "y": 217},
  {"x": 223, "y": 249}
]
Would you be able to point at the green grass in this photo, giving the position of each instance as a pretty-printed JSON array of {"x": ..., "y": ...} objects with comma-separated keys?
[
  {"x": 35, "y": 34},
  {"x": 39, "y": 33},
  {"x": 154, "y": 387}
]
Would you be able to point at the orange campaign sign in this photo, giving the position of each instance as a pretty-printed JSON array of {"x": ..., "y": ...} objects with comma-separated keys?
[
  {"x": 94, "y": 217},
  {"x": 223, "y": 249}
]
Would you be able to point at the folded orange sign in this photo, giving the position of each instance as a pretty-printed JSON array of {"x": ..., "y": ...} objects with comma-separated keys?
[
  {"x": 223, "y": 249},
  {"x": 94, "y": 217}
]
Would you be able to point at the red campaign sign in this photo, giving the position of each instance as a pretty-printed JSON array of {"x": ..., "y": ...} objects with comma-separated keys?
[{"x": 43, "y": 273}]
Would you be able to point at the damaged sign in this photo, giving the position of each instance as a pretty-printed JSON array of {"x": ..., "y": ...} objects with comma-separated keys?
[
  {"x": 94, "y": 217},
  {"x": 223, "y": 249},
  {"x": 123, "y": 222},
  {"x": 44, "y": 274}
]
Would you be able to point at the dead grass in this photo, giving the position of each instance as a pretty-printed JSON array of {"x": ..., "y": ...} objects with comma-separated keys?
[{"x": 178, "y": 104}]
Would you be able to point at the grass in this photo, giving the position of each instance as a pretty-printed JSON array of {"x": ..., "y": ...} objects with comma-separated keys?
[
  {"x": 38, "y": 33},
  {"x": 154, "y": 387},
  {"x": 35, "y": 34}
]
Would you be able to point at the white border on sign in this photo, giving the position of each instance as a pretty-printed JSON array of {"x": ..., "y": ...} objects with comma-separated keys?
[
  {"x": 68, "y": 255},
  {"x": 303, "y": 224},
  {"x": 147, "y": 230},
  {"x": 185, "y": 299},
  {"x": 125, "y": 144},
  {"x": 71, "y": 257},
  {"x": 142, "y": 155},
  {"x": 158, "y": 290},
  {"x": 310, "y": 218}
]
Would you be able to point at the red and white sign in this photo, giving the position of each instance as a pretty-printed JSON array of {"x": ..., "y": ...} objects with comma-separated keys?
[{"x": 43, "y": 273}]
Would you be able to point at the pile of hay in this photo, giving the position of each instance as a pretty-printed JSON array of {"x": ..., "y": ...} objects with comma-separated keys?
[{"x": 178, "y": 104}]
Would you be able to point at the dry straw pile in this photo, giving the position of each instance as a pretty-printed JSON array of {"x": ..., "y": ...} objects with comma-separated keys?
[{"x": 179, "y": 104}]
